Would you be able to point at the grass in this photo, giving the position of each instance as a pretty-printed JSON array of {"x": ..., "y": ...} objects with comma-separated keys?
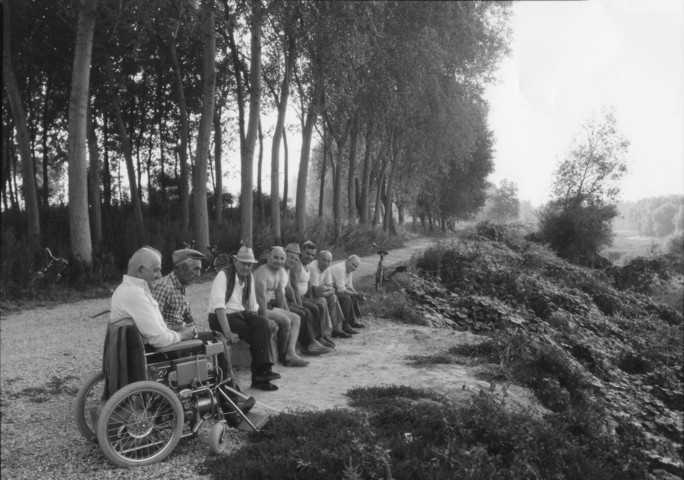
[{"x": 401, "y": 433}]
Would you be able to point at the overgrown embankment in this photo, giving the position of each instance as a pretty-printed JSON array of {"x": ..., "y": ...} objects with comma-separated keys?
[{"x": 585, "y": 347}]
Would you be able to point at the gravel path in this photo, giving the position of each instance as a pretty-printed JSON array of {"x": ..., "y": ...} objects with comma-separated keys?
[{"x": 48, "y": 352}]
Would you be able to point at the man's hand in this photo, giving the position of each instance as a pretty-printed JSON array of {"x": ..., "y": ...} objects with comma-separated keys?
[
  {"x": 232, "y": 338},
  {"x": 188, "y": 332}
]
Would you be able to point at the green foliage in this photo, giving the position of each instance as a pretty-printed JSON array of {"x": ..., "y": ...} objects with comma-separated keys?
[
  {"x": 577, "y": 222},
  {"x": 578, "y": 232},
  {"x": 407, "y": 434},
  {"x": 502, "y": 202}
]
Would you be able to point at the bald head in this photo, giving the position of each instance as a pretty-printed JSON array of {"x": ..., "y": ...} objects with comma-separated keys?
[
  {"x": 324, "y": 259},
  {"x": 145, "y": 264},
  {"x": 276, "y": 258},
  {"x": 352, "y": 263}
]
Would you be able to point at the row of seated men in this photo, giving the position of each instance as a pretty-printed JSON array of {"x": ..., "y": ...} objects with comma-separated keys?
[{"x": 296, "y": 295}]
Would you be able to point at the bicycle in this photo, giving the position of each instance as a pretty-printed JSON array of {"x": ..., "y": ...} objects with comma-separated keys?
[
  {"x": 51, "y": 273},
  {"x": 217, "y": 259},
  {"x": 380, "y": 272}
]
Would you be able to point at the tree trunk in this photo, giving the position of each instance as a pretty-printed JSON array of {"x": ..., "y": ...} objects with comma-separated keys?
[
  {"x": 128, "y": 156},
  {"x": 247, "y": 152},
  {"x": 277, "y": 137},
  {"x": 46, "y": 180},
  {"x": 365, "y": 178},
  {"x": 321, "y": 193},
  {"x": 260, "y": 193},
  {"x": 201, "y": 214},
  {"x": 94, "y": 185},
  {"x": 351, "y": 185},
  {"x": 219, "y": 168},
  {"x": 304, "y": 158},
  {"x": 107, "y": 173},
  {"x": 184, "y": 140},
  {"x": 79, "y": 225},
  {"x": 341, "y": 142},
  {"x": 286, "y": 171},
  {"x": 19, "y": 116},
  {"x": 387, "y": 222}
]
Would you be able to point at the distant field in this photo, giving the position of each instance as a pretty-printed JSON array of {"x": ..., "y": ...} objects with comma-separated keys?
[{"x": 628, "y": 244}]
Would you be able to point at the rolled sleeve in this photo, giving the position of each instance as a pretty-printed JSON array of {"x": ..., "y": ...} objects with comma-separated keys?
[{"x": 217, "y": 296}]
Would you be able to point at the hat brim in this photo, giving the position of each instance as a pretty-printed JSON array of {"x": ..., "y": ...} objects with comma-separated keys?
[{"x": 245, "y": 260}]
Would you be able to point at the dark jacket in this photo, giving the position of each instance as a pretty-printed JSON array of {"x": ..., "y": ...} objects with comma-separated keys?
[{"x": 123, "y": 358}]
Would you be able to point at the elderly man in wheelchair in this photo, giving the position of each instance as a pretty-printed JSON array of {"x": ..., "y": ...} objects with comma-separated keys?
[{"x": 156, "y": 385}]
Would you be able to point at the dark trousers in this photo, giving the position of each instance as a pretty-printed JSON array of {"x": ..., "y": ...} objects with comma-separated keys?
[
  {"x": 318, "y": 312},
  {"x": 254, "y": 330},
  {"x": 350, "y": 307},
  {"x": 310, "y": 328}
]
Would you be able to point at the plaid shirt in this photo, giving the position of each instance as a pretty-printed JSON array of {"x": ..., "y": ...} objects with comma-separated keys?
[{"x": 170, "y": 295}]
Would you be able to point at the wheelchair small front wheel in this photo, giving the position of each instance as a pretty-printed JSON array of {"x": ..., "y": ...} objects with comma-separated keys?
[
  {"x": 88, "y": 401},
  {"x": 140, "y": 424},
  {"x": 217, "y": 438}
]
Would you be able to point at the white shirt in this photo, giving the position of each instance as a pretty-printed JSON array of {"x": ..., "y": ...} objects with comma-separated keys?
[
  {"x": 303, "y": 280},
  {"x": 341, "y": 280},
  {"x": 318, "y": 277},
  {"x": 133, "y": 299},
  {"x": 217, "y": 296}
]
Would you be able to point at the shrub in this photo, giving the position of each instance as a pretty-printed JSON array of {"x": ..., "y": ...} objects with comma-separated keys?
[
  {"x": 577, "y": 232},
  {"x": 407, "y": 434}
]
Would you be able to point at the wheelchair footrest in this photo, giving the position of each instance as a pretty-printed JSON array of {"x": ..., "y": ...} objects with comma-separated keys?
[{"x": 257, "y": 419}]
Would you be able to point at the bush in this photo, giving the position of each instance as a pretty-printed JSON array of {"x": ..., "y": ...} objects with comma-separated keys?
[
  {"x": 408, "y": 434},
  {"x": 577, "y": 232}
]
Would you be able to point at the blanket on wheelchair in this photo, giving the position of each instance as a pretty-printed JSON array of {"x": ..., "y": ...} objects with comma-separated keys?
[{"x": 123, "y": 358}]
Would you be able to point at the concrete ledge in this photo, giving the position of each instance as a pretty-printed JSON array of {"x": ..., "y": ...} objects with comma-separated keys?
[{"x": 239, "y": 352}]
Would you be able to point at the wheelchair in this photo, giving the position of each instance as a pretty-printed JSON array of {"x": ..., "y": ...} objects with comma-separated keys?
[{"x": 144, "y": 402}]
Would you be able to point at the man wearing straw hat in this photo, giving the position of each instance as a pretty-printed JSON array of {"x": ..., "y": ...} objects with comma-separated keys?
[{"x": 233, "y": 310}]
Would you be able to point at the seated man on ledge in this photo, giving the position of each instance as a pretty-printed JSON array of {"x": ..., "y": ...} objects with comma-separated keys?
[
  {"x": 169, "y": 291},
  {"x": 342, "y": 275},
  {"x": 233, "y": 310}
]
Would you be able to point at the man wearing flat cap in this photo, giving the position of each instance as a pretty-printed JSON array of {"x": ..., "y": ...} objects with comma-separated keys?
[{"x": 169, "y": 291}]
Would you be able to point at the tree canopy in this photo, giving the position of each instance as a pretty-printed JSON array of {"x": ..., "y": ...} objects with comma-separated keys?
[{"x": 393, "y": 91}]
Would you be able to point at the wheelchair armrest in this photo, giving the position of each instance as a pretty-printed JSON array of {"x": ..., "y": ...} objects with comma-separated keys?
[{"x": 184, "y": 345}]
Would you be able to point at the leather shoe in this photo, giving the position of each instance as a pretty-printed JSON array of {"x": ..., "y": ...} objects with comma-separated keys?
[
  {"x": 295, "y": 362},
  {"x": 341, "y": 334},
  {"x": 245, "y": 404},
  {"x": 357, "y": 325},
  {"x": 315, "y": 349},
  {"x": 266, "y": 386},
  {"x": 348, "y": 329},
  {"x": 271, "y": 375},
  {"x": 326, "y": 342}
]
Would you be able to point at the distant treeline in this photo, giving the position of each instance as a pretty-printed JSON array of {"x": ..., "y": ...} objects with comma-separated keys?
[{"x": 652, "y": 217}]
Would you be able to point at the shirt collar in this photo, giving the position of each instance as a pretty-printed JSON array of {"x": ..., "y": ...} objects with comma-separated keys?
[
  {"x": 176, "y": 282},
  {"x": 136, "y": 282}
]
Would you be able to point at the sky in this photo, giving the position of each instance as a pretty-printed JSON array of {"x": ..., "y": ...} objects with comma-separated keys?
[{"x": 570, "y": 60}]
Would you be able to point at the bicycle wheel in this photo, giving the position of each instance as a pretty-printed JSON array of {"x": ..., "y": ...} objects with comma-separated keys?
[{"x": 220, "y": 262}]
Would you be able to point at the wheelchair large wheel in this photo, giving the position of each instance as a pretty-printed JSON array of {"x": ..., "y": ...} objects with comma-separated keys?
[
  {"x": 88, "y": 399},
  {"x": 140, "y": 424}
]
